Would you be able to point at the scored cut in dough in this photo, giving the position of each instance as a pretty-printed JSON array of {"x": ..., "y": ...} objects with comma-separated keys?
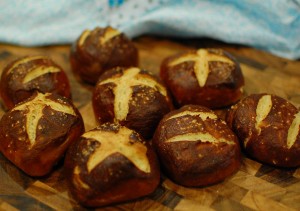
[
  {"x": 34, "y": 112},
  {"x": 203, "y": 137},
  {"x": 39, "y": 71},
  {"x": 119, "y": 142},
  {"x": 23, "y": 61},
  {"x": 201, "y": 63},
  {"x": 293, "y": 131},
  {"x": 202, "y": 115},
  {"x": 109, "y": 34},
  {"x": 83, "y": 37},
  {"x": 123, "y": 89},
  {"x": 263, "y": 108}
]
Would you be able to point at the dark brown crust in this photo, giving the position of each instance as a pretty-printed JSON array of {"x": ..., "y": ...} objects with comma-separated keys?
[
  {"x": 13, "y": 90},
  {"x": 270, "y": 146},
  {"x": 90, "y": 60},
  {"x": 182, "y": 161},
  {"x": 144, "y": 115},
  {"x": 222, "y": 88},
  {"x": 58, "y": 132},
  {"x": 115, "y": 179}
]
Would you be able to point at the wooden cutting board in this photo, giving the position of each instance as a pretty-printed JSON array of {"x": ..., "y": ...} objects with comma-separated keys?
[{"x": 253, "y": 187}]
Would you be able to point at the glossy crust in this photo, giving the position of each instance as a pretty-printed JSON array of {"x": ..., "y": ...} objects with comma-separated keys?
[
  {"x": 195, "y": 147},
  {"x": 35, "y": 134},
  {"x": 274, "y": 137},
  {"x": 147, "y": 99},
  {"x": 90, "y": 57},
  {"x": 111, "y": 164},
  {"x": 220, "y": 86},
  {"x": 24, "y": 76}
]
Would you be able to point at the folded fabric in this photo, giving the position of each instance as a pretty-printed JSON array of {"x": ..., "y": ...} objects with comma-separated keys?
[{"x": 271, "y": 25}]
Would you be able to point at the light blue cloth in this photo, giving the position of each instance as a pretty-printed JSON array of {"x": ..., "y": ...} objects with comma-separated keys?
[{"x": 271, "y": 25}]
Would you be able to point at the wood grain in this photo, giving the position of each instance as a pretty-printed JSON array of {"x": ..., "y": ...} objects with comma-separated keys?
[{"x": 254, "y": 187}]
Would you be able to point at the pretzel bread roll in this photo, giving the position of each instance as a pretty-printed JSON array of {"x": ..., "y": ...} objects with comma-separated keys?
[
  {"x": 268, "y": 128},
  {"x": 35, "y": 134},
  {"x": 100, "y": 49},
  {"x": 24, "y": 76},
  {"x": 195, "y": 147},
  {"x": 133, "y": 97},
  {"x": 111, "y": 164},
  {"x": 207, "y": 77}
]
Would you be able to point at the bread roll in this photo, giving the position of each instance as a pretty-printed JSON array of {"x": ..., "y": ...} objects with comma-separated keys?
[
  {"x": 35, "y": 134},
  {"x": 208, "y": 77},
  {"x": 268, "y": 128},
  {"x": 111, "y": 164},
  {"x": 100, "y": 49},
  {"x": 195, "y": 147},
  {"x": 22, "y": 77},
  {"x": 132, "y": 97}
]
